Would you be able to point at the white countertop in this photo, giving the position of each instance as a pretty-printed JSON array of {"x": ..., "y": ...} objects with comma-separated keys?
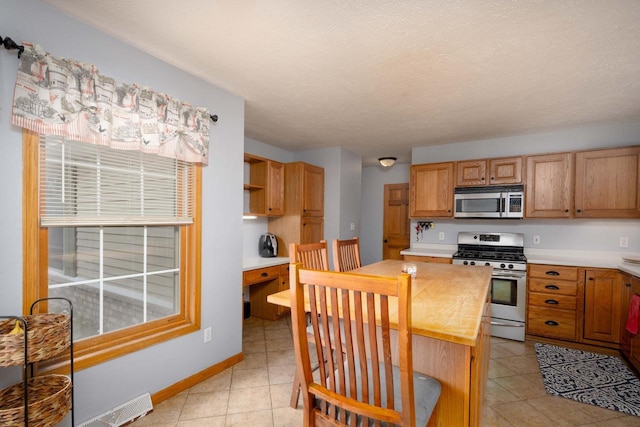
[
  {"x": 547, "y": 256},
  {"x": 425, "y": 249},
  {"x": 259, "y": 262}
]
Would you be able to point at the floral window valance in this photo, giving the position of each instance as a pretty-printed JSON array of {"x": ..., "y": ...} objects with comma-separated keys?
[{"x": 57, "y": 96}]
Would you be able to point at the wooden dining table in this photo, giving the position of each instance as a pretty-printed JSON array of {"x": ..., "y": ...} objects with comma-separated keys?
[{"x": 450, "y": 323}]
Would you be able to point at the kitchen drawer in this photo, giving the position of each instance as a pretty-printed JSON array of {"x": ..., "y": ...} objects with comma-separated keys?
[
  {"x": 425, "y": 258},
  {"x": 260, "y": 275},
  {"x": 551, "y": 323},
  {"x": 556, "y": 272},
  {"x": 563, "y": 302},
  {"x": 552, "y": 286}
]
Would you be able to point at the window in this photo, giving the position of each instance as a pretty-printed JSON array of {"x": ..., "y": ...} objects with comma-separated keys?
[{"x": 118, "y": 233}]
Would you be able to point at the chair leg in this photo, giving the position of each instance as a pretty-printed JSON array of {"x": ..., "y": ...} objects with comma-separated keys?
[{"x": 295, "y": 392}]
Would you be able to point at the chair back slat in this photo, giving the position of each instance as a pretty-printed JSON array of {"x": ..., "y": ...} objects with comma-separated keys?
[
  {"x": 350, "y": 316},
  {"x": 346, "y": 254},
  {"x": 311, "y": 255}
]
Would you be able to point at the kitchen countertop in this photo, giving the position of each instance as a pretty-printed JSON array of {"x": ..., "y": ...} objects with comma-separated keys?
[
  {"x": 547, "y": 256},
  {"x": 254, "y": 263},
  {"x": 448, "y": 300}
]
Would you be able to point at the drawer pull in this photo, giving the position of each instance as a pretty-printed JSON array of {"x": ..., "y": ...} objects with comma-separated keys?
[
  {"x": 551, "y": 323},
  {"x": 265, "y": 274},
  {"x": 552, "y": 287},
  {"x": 551, "y": 301},
  {"x": 552, "y": 273}
]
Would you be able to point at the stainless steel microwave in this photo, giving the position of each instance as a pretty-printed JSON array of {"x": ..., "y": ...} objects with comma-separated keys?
[{"x": 489, "y": 202}]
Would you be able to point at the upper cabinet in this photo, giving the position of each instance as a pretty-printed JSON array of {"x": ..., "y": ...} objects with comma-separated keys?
[
  {"x": 500, "y": 171},
  {"x": 608, "y": 183},
  {"x": 549, "y": 186},
  {"x": 263, "y": 186},
  {"x": 431, "y": 190},
  {"x": 311, "y": 193}
]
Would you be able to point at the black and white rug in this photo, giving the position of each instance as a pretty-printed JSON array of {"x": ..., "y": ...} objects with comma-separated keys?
[{"x": 589, "y": 378}]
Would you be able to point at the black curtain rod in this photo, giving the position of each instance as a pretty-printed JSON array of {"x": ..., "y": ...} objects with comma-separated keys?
[{"x": 11, "y": 45}]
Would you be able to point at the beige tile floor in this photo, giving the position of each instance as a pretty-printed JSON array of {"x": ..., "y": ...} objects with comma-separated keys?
[{"x": 256, "y": 392}]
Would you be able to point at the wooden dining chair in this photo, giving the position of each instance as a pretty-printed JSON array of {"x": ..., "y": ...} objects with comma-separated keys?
[
  {"x": 358, "y": 383},
  {"x": 346, "y": 254},
  {"x": 314, "y": 256},
  {"x": 311, "y": 255}
]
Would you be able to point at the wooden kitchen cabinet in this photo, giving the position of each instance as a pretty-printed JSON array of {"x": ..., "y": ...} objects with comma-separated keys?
[
  {"x": 553, "y": 301},
  {"x": 303, "y": 219},
  {"x": 602, "y": 305},
  {"x": 499, "y": 171},
  {"x": 608, "y": 183},
  {"x": 263, "y": 186},
  {"x": 431, "y": 190},
  {"x": 275, "y": 188},
  {"x": 549, "y": 184}
]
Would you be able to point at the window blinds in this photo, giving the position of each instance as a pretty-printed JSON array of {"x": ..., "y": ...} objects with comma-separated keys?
[{"x": 90, "y": 185}]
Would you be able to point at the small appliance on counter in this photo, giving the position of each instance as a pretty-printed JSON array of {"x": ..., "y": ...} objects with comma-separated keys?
[{"x": 268, "y": 246}]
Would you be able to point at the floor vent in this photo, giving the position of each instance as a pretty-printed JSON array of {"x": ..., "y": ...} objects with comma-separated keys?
[{"x": 122, "y": 414}]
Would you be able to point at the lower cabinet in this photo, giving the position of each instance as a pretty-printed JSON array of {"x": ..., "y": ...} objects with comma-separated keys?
[
  {"x": 262, "y": 282},
  {"x": 553, "y": 295},
  {"x": 602, "y": 305},
  {"x": 582, "y": 305}
]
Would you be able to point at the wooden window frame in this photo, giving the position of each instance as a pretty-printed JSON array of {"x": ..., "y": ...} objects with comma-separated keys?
[{"x": 95, "y": 350}]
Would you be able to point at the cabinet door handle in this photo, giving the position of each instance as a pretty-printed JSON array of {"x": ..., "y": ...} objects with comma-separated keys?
[
  {"x": 566, "y": 210},
  {"x": 590, "y": 278},
  {"x": 552, "y": 273},
  {"x": 552, "y": 287},
  {"x": 265, "y": 274},
  {"x": 551, "y": 301},
  {"x": 579, "y": 210},
  {"x": 551, "y": 323}
]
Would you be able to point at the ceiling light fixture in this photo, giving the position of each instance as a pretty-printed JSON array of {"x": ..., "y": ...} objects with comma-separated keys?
[{"x": 387, "y": 162}]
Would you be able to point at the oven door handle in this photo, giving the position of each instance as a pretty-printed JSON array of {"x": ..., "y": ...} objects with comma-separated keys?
[
  {"x": 513, "y": 325},
  {"x": 508, "y": 276}
]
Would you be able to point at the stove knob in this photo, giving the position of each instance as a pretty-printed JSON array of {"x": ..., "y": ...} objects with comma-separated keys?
[
  {"x": 472, "y": 263},
  {"x": 465, "y": 262},
  {"x": 510, "y": 266},
  {"x": 487, "y": 264},
  {"x": 501, "y": 265}
]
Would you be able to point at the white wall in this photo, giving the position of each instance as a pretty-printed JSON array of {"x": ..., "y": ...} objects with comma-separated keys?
[{"x": 111, "y": 383}]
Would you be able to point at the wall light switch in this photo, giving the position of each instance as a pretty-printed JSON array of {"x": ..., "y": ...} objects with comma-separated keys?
[
  {"x": 207, "y": 334},
  {"x": 536, "y": 240},
  {"x": 624, "y": 242}
]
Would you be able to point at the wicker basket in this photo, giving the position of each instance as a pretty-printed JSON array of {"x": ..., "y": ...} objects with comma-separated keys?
[
  {"x": 49, "y": 401},
  {"x": 48, "y": 335}
]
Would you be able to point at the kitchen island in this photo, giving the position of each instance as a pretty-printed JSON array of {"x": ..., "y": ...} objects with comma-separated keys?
[{"x": 450, "y": 326}]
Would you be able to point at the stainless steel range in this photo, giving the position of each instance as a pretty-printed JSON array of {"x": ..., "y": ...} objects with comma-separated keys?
[{"x": 505, "y": 253}]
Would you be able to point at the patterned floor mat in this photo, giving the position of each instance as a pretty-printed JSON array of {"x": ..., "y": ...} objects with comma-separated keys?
[{"x": 589, "y": 378}]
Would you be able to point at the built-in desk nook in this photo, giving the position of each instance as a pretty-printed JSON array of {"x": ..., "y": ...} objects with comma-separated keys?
[{"x": 262, "y": 277}]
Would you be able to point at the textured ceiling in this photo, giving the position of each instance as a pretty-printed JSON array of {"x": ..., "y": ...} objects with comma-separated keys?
[{"x": 379, "y": 77}]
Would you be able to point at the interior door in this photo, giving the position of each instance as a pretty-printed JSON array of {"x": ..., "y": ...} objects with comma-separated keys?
[{"x": 395, "y": 234}]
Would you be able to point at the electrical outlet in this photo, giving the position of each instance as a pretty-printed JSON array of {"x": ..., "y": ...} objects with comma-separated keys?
[
  {"x": 207, "y": 334},
  {"x": 441, "y": 235},
  {"x": 624, "y": 242},
  {"x": 353, "y": 226},
  {"x": 536, "y": 240}
]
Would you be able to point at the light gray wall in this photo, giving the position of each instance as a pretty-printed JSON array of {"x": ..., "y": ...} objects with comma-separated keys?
[
  {"x": 374, "y": 179},
  {"x": 350, "y": 188},
  {"x": 111, "y": 383}
]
